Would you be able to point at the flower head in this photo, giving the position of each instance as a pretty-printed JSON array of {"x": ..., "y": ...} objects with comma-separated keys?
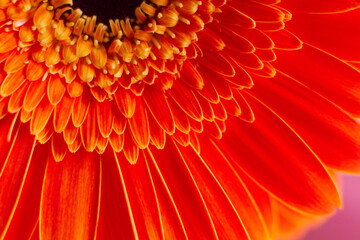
[{"x": 144, "y": 127}]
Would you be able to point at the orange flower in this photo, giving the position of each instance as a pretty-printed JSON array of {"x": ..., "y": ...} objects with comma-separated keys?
[{"x": 145, "y": 127}]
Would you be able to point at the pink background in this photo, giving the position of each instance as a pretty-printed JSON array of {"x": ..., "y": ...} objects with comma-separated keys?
[{"x": 345, "y": 224}]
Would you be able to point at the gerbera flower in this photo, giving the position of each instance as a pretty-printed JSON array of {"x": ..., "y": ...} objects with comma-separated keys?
[{"x": 144, "y": 126}]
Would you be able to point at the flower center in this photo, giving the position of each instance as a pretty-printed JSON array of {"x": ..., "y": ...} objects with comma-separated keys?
[{"x": 108, "y": 9}]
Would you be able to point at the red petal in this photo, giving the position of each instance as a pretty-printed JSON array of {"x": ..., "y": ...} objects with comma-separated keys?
[
  {"x": 236, "y": 190},
  {"x": 191, "y": 76},
  {"x": 314, "y": 119},
  {"x": 70, "y": 197},
  {"x": 181, "y": 120},
  {"x": 170, "y": 217},
  {"x": 280, "y": 162},
  {"x": 13, "y": 174},
  {"x": 157, "y": 134},
  {"x": 185, "y": 192},
  {"x": 115, "y": 219},
  {"x": 319, "y": 6},
  {"x": 285, "y": 40},
  {"x": 225, "y": 216},
  {"x": 26, "y": 214},
  {"x": 142, "y": 198},
  {"x": 334, "y": 33},
  {"x": 139, "y": 125},
  {"x": 325, "y": 74},
  {"x": 259, "y": 12},
  {"x": 157, "y": 104},
  {"x": 186, "y": 100}
]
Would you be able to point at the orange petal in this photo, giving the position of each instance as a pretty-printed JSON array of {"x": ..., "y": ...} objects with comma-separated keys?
[
  {"x": 70, "y": 133},
  {"x": 98, "y": 93},
  {"x": 43, "y": 15},
  {"x": 34, "y": 70},
  {"x": 116, "y": 141},
  {"x": 89, "y": 130},
  {"x": 59, "y": 147},
  {"x": 17, "y": 98},
  {"x": 83, "y": 47},
  {"x": 86, "y": 71},
  {"x": 126, "y": 102},
  {"x": 7, "y": 41},
  {"x": 34, "y": 95},
  {"x": 98, "y": 56},
  {"x": 70, "y": 197},
  {"x": 105, "y": 117},
  {"x": 46, "y": 133},
  {"x": 62, "y": 113},
  {"x": 75, "y": 88},
  {"x": 130, "y": 149},
  {"x": 16, "y": 61},
  {"x": 12, "y": 82},
  {"x": 55, "y": 89},
  {"x": 40, "y": 116},
  {"x": 81, "y": 108},
  {"x": 119, "y": 123}
]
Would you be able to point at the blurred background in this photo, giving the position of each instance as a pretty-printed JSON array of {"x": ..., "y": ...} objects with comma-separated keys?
[{"x": 345, "y": 224}]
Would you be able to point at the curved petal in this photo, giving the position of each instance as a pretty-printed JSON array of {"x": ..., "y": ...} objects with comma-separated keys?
[
  {"x": 325, "y": 74},
  {"x": 277, "y": 159},
  {"x": 314, "y": 119}
]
